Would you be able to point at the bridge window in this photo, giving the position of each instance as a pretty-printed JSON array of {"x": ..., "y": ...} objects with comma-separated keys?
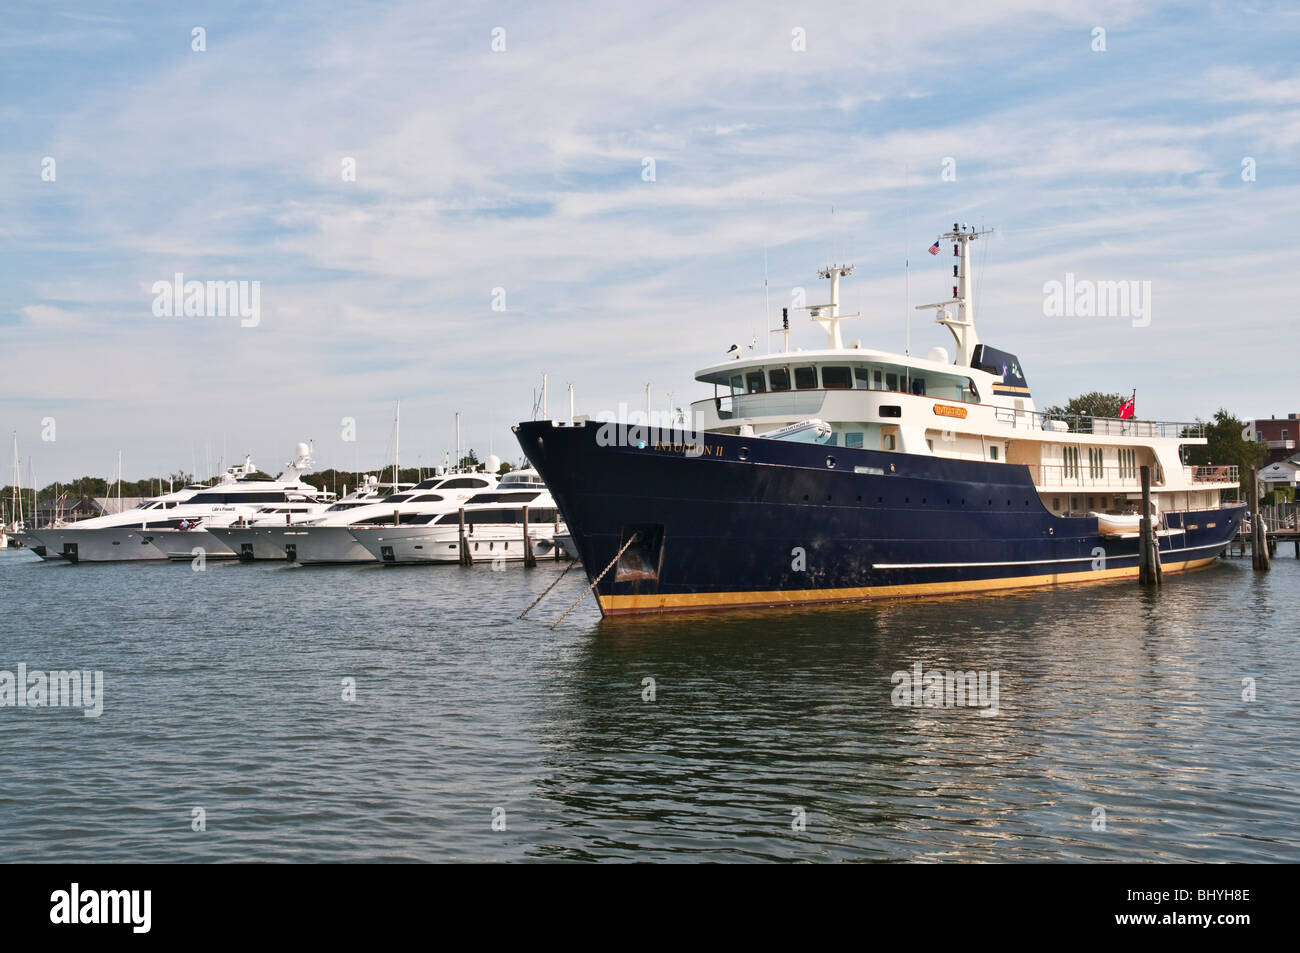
[
  {"x": 779, "y": 378},
  {"x": 837, "y": 378},
  {"x": 853, "y": 440},
  {"x": 805, "y": 378},
  {"x": 861, "y": 378},
  {"x": 891, "y": 382},
  {"x": 737, "y": 384},
  {"x": 754, "y": 382}
]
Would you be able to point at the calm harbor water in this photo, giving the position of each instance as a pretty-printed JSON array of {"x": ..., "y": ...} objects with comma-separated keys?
[{"x": 223, "y": 691}]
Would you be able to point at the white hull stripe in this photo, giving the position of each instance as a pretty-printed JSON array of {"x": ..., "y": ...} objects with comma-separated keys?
[{"x": 1035, "y": 562}]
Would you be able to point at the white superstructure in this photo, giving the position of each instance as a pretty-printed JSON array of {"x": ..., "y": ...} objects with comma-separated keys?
[{"x": 975, "y": 405}]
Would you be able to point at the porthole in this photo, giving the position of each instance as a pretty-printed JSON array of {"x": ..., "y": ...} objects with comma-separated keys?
[
  {"x": 744, "y": 453},
  {"x": 830, "y": 463}
]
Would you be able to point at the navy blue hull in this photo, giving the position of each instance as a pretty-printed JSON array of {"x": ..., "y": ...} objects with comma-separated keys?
[{"x": 766, "y": 522}]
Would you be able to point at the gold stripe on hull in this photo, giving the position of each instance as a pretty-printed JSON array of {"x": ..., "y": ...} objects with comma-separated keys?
[{"x": 667, "y": 602}]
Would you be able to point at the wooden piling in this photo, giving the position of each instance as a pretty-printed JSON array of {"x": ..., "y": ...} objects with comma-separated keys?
[
  {"x": 530, "y": 560},
  {"x": 1148, "y": 557},
  {"x": 1258, "y": 534},
  {"x": 466, "y": 558}
]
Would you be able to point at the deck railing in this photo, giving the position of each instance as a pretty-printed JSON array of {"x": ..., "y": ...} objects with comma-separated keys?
[
  {"x": 1084, "y": 475},
  {"x": 1099, "y": 426},
  {"x": 1225, "y": 474}
]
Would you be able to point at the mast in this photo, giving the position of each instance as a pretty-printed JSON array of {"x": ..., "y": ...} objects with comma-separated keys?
[
  {"x": 456, "y": 469},
  {"x": 397, "y": 443},
  {"x": 962, "y": 327},
  {"x": 828, "y": 315},
  {"x": 17, "y": 508},
  {"x": 119, "y": 481}
]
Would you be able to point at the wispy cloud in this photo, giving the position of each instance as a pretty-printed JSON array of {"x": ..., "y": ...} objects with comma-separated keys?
[{"x": 526, "y": 170}]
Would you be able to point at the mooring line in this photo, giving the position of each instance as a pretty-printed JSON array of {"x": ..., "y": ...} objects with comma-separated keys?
[
  {"x": 595, "y": 582},
  {"x": 548, "y": 589}
]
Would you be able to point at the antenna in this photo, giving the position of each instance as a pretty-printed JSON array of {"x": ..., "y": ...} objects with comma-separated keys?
[
  {"x": 767, "y": 300},
  {"x": 907, "y": 267}
]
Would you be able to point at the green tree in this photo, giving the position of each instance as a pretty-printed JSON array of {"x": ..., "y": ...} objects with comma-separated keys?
[
  {"x": 1093, "y": 404},
  {"x": 1225, "y": 446}
]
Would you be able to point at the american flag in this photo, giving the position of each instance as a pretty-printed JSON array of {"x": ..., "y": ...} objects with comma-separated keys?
[{"x": 934, "y": 249}]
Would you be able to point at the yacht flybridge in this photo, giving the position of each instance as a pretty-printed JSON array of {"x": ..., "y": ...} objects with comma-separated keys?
[{"x": 908, "y": 476}]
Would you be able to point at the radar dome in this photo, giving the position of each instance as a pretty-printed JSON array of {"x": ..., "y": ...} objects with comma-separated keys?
[
  {"x": 303, "y": 450},
  {"x": 493, "y": 463},
  {"x": 939, "y": 355}
]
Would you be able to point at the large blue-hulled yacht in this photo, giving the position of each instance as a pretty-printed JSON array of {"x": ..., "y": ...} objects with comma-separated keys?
[{"x": 848, "y": 473}]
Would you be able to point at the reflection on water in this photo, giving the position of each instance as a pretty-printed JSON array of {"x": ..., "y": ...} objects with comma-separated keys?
[{"x": 223, "y": 692}]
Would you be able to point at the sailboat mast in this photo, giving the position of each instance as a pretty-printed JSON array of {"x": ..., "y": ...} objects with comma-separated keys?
[
  {"x": 18, "y": 494},
  {"x": 397, "y": 443}
]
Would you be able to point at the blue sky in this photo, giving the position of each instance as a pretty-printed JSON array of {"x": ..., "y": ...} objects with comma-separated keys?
[{"x": 522, "y": 169}]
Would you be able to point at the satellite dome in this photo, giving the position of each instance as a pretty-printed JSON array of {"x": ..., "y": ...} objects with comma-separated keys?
[{"x": 493, "y": 463}]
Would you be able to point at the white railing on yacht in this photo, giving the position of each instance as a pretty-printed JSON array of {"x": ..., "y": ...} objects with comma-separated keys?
[
  {"x": 1083, "y": 475},
  {"x": 1100, "y": 426}
]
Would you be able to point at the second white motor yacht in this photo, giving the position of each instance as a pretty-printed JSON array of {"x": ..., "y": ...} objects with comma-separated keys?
[
  {"x": 239, "y": 494},
  {"x": 328, "y": 538}
]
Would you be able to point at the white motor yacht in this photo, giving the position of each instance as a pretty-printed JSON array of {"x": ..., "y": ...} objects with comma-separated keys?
[
  {"x": 239, "y": 494},
  {"x": 328, "y": 538},
  {"x": 494, "y": 528},
  {"x": 258, "y": 537},
  {"x": 114, "y": 537}
]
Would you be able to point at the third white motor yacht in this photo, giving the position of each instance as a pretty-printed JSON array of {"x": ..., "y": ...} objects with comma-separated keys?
[{"x": 493, "y": 526}]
